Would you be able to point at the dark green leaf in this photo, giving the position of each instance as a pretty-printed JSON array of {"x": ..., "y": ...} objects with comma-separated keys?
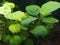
[
  {"x": 33, "y": 10},
  {"x": 28, "y": 20},
  {"x": 29, "y": 42},
  {"x": 0, "y": 36},
  {"x": 16, "y": 40},
  {"x": 50, "y": 20},
  {"x": 49, "y": 26},
  {"x": 39, "y": 31},
  {"x": 7, "y": 38}
]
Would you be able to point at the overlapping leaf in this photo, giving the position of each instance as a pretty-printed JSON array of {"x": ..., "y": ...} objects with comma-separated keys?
[{"x": 18, "y": 15}]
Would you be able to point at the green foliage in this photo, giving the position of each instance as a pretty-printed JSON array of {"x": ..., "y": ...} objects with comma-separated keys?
[
  {"x": 50, "y": 20},
  {"x": 28, "y": 20},
  {"x": 33, "y": 10},
  {"x": 9, "y": 4},
  {"x": 29, "y": 42},
  {"x": 49, "y": 26},
  {"x": 5, "y": 10},
  {"x": 39, "y": 31},
  {"x": 0, "y": 37},
  {"x": 17, "y": 27},
  {"x": 49, "y": 7},
  {"x": 18, "y": 15},
  {"x": 15, "y": 40},
  {"x": 7, "y": 38}
]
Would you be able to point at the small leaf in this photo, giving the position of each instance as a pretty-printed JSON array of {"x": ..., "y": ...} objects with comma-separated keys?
[
  {"x": 16, "y": 40},
  {"x": 49, "y": 7},
  {"x": 50, "y": 20},
  {"x": 9, "y": 4},
  {"x": 39, "y": 31},
  {"x": 15, "y": 28},
  {"x": 28, "y": 20},
  {"x": 5, "y": 10},
  {"x": 29, "y": 42},
  {"x": 18, "y": 15},
  {"x": 33, "y": 10}
]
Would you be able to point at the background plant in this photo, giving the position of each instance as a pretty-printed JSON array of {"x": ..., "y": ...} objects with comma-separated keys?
[{"x": 17, "y": 26}]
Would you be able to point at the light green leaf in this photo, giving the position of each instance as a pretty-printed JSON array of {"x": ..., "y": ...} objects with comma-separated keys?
[
  {"x": 15, "y": 40},
  {"x": 5, "y": 10},
  {"x": 39, "y": 31},
  {"x": 50, "y": 20},
  {"x": 33, "y": 10},
  {"x": 29, "y": 42},
  {"x": 18, "y": 15},
  {"x": 28, "y": 20},
  {"x": 15, "y": 28},
  {"x": 49, "y": 7},
  {"x": 9, "y": 4}
]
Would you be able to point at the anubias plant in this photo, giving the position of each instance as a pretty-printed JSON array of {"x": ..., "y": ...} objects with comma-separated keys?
[{"x": 17, "y": 26}]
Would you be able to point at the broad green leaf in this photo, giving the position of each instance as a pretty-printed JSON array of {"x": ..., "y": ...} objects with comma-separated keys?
[
  {"x": 39, "y": 31},
  {"x": 33, "y": 10},
  {"x": 49, "y": 7},
  {"x": 28, "y": 20},
  {"x": 18, "y": 15},
  {"x": 15, "y": 28},
  {"x": 9, "y": 4},
  {"x": 15, "y": 40},
  {"x": 5, "y": 10},
  {"x": 29, "y": 42},
  {"x": 50, "y": 20}
]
